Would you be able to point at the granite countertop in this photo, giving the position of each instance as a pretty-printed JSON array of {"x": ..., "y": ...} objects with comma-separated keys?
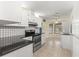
[
  {"x": 13, "y": 47},
  {"x": 36, "y": 34},
  {"x": 66, "y": 34}
]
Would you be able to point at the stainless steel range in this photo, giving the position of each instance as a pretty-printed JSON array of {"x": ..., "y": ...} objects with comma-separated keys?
[
  {"x": 36, "y": 37},
  {"x": 36, "y": 42}
]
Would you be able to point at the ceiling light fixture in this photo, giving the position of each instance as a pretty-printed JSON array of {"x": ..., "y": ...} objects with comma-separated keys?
[
  {"x": 56, "y": 22},
  {"x": 23, "y": 6},
  {"x": 36, "y": 14}
]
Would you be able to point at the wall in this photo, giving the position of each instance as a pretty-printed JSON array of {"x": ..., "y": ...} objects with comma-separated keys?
[
  {"x": 39, "y": 21},
  {"x": 58, "y": 28},
  {"x": 45, "y": 28},
  {"x": 11, "y": 34},
  {"x": 9, "y": 10},
  {"x": 65, "y": 20},
  {"x": 75, "y": 29}
]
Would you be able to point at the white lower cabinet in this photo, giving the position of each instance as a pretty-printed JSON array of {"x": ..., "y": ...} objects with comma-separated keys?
[
  {"x": 43, "y": 39},
  {"x": 67, "y": 42},
  {"x": 26, "y": 51},
  {"x": 75, "y": 47}
]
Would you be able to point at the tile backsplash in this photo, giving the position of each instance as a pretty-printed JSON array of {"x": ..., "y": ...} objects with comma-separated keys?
[
  {"x": 7, "y": 31},
  {"x": 10, "y": 35}
]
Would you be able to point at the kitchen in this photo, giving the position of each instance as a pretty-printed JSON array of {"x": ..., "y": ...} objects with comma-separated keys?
[
  {"x": 29, "y": 28},
  {"x": 15, "y": 38}
]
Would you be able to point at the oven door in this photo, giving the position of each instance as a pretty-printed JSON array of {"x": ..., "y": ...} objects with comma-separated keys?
[
  {"x": 36, "y": 39},
  {"x": 36, "y": 42}
]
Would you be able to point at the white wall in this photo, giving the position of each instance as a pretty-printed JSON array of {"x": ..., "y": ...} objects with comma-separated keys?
[{"x": 75, "y": 29}]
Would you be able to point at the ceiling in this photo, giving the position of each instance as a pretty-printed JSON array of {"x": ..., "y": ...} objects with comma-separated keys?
[{"x": 50, "y": 9}]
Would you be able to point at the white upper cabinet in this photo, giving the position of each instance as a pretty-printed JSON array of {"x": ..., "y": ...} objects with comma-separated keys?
[
  {"x": 8, "y": 11},
  {"x": 24, "y": 19},
  {"x": 13, "y": 11},
  {"x": 33, "y": 18}
]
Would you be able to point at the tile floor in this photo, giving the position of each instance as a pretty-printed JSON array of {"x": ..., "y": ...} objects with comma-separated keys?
[{"x": 52, "y": 48}]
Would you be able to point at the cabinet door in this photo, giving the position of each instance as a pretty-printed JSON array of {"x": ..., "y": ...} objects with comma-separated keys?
[
  {"x": 43, "y": 39},
  {"x": 75, "y": 27},
  {"x": 75, "y": 47},
  {"x": 26, "y": 51},
  {"x": 9, "y": 10},
  {"x": 66, "y": 41},
  {"x": 13, "y": 11},
  {"x": 24, "y": 20}
]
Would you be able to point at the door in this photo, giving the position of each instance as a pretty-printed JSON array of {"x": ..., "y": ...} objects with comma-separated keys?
[
  {"x": 58, "y": 28},
  {"x": 50, "y": 28}
]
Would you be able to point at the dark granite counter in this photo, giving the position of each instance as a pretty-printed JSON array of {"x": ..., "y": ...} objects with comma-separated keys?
[
  {"x": 36, "y": 34},
  {"x": 66, "y": 34},
  {"x": 13, "y": 47}
]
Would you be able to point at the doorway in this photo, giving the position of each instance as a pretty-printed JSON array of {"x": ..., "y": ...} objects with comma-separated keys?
[
  {"x": 57, "y": 28},
  {"x": 51, "y": 28}
]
